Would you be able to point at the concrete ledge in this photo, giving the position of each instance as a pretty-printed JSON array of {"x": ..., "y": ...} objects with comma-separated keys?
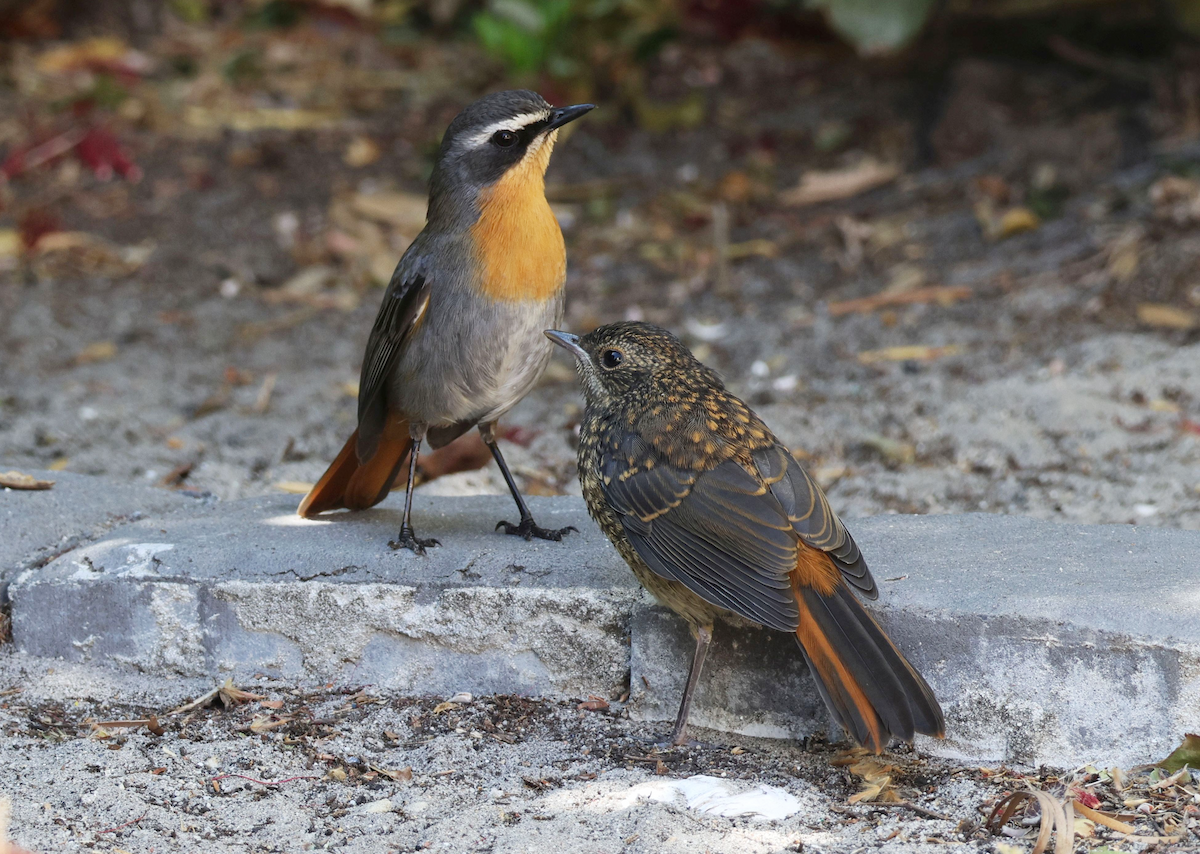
[
  {"x": 1054, "y": 644},
  {"x": 37, "y": 525},
  {"x": 247, "y": 586},
  {"x": 1047, "y": 643}
]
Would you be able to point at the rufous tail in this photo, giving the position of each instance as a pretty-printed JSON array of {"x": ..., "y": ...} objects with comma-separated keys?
[
  {"x": 355, "y": 484},
  {"x": 863, "y": 678}
]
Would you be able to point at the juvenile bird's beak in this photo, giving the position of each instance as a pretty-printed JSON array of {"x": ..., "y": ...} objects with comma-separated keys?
[
  {"x": 560, "y": 116},
  {"x": 568, "y": 342}
]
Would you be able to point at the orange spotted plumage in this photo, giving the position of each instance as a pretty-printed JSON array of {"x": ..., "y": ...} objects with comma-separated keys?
[{"x": 714, "y": 515}]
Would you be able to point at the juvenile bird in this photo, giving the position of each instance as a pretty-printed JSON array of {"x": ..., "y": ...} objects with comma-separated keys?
[
  {"x": 458, "y": 338},
  {"x": 714, "y": 515}
]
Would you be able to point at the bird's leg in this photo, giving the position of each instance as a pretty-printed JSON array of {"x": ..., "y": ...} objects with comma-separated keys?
[
  {"x": 703, "y": 636},
  {"x": 407, "y": 538},
  {"x": 526, "y": 528}
]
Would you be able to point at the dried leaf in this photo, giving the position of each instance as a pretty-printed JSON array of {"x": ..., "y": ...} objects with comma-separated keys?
[
  {"x": 404, "y": 211},
  {"x": 1187, "y": 753},
  {"x": 402, "y": 775},
  {"x": 20, "y": 480},
  {"x": 817, "y": 187},
  {"x": 909, "y": 353},
  {"x": 593, "y": 704},
  {"x": 759, "y": 247},
  {"x": 1053, "y": 817},
  {"x": 893, "y": 451},
  {"x": 99, "y": 351},
  {"x": 362, "y": 151},
  {"x": 876, "y": 776},
  {"x": 10, "y": 243},
  {"x": 105, "y": 53},
  {"x": 1015, "y": 221},
  {"x": 942, "y": 295},
  {"x": 294, "y": 487},
  {"x": 1092, "y": 814},
  {"x": 78, "y": 250},
  {"x": 231, "y": 695},
  {"x": 1166, "y": 316},
  {"x": 467, "y": 453},
  {"x": 263, "y": 399},
  {"x": 260, "y": 118},
  {"x": 265, "y": 723}
]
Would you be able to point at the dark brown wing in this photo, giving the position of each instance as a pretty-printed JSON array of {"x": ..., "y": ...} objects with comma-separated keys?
[
  {"x": 404, "y": 304},
  {"x": 812, "y": 518},
  {"x": 720, "y": 533}
]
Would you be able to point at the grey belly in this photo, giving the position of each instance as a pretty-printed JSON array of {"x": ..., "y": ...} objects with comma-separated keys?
[{"x": 473, "y": 360}]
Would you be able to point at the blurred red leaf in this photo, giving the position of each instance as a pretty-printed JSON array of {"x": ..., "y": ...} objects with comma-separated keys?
[
  {"x": 522, "y": 436},
  {"x": 24, "y": 158},
  {"x": 101, "y": 152},
  {"x": 467, "y": 453}
]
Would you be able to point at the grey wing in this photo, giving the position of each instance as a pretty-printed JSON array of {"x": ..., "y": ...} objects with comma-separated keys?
[
  {"x": 811, "y": 517},
  {"x": 720, "y": 533},
  {"x": 404, "y": 304}
]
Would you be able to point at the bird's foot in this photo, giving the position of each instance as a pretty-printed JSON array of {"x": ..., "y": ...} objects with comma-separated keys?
[
  {"x": 528, "y": 529},
  {"x": 407, "y": 539}
]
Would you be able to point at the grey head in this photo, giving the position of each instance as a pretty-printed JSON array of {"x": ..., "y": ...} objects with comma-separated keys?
[{"x": 488, "y": 139}]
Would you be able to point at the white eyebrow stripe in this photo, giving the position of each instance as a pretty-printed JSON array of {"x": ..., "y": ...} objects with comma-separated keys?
[{"x": 513, "y": 124}]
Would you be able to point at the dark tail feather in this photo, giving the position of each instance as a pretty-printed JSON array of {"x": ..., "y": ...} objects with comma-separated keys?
[
  {"x": 863, "y": 679},
  {"x": 357, "y": 486}
]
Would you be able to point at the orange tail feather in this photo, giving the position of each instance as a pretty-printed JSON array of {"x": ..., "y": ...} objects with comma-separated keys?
[
  {"x": 863, "y": 678},
  {"x": 358, "y": 485}
]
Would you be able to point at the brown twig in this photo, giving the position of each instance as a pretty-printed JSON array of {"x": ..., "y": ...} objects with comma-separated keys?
[
  {"x": 263, "y": 782},
  {"x": 917, "y": 808},
  {"x": 943, "y": 294},
  {"x": 125, "y": 825},
  {"x": 1115, "y": 68}
]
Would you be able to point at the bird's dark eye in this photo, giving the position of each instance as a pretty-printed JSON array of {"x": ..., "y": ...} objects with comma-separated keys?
[
  {"x": 611, "y": 358},
  {"x": 504, "y": 138}
]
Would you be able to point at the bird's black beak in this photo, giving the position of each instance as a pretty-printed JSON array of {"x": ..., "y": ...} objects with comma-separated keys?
[
  {"x": 568, "y": 342},
  {"x": 560, "y": 116}
]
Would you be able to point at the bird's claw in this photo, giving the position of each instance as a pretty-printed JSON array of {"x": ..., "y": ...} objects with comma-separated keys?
[
  {"x": 528, "y": 530},
  {"x": 409, "y": 540}
]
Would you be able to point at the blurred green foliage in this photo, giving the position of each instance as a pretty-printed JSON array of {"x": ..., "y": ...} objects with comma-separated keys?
[
  {"x": 587, "y": 41},
  {"x": 565, "y": 38},
  {"x": 524, "y": 33}
]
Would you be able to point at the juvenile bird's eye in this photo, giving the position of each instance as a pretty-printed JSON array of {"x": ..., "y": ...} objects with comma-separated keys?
[
  {"x": 611, "y": 358},
  {"x": 504, "y": 138}
]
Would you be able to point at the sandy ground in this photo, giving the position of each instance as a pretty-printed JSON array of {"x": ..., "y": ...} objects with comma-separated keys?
[{"x": 492, "y": 774}]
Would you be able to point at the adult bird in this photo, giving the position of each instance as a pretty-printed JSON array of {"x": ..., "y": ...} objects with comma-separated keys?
[
  {"x": 458, "y": 338},
  {"x": 714, "y": 515}
]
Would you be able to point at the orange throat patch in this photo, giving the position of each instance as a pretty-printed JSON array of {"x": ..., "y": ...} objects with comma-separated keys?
[{"x": 520, "y": 246}]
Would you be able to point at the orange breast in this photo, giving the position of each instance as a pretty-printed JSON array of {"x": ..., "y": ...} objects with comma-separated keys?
[{"x": 520, "y": 246}]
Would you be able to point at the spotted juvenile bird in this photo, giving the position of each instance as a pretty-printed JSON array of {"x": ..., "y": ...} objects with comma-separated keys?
[
  {"x": 458, "y": 339},
  {"x": 714, "y": 515}
]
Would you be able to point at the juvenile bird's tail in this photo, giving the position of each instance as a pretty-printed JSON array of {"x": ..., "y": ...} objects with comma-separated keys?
[
  {"x": 863, "y": 678},
  {"x": 355, "y": 484}
]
